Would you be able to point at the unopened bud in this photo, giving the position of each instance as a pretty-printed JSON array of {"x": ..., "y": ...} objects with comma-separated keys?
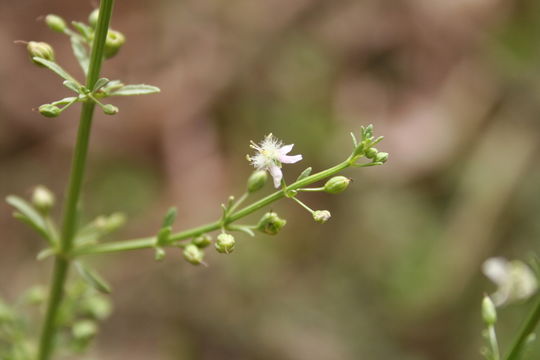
[
  {"x": 336, "y": 184},
  {"x": 93, "y": 18},
  {"x": 55, "y": 22},
  {"x": 257, "y": 180},
  {"x": 271, "y": 223},
  {"x": 43, "y": 199},
  {"x": 202, "y": 241},
  {"x": 110, "y": 223},
  {"x": 489, "y": 313},
  {"x": 371, "y": 153},
  {"x": 113, "y": 43},
  {"x": 36, "y": 295},
  {"x": 84, "y": 329},
  {"x": 41, "y": 50},
  {"x": 110, "y": 109},
  {"x": 49, "y": 110},
  {"x": 225, "y": 243},
  {"x": 159, "y": 254},
  {"x": 193, "y": 254},
  {"x": 321, "y": 216},
  {"x": 381, "y": 157}
]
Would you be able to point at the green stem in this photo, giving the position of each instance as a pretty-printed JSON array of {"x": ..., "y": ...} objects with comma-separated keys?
[
  {"x": 303, "y": 205},
  {"x": 527, "y": 329},
  {"x": 317, "y": 189},
  {"x": 149, "y": 242},
  {"x": 493, "y": 343},
  {"x": 62, "y": 261}
]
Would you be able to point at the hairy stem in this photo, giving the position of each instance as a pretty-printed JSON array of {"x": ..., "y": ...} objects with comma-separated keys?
[
  {"x": 62, "y": 262},
  {"x": 150, "y": 242},
  {"x": 527, "y": 329}
]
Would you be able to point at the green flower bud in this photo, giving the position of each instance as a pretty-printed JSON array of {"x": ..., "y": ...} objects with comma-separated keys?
[
  {"x": 371, "y": 153},
  {"x": 97, "y": 306},
  {"x": 49, "y": 110},
  {"x": 381, "y": 157},
  {"x": 40, "y": 50},
  {"x": 110, "y": 223},
  {"x": 321, "y": 216},
  {"x": 113, "y": 43},
  {"x": 489, "y": 313},
  {"x": 35, "y": 295},
  {"x": 84, "y": 329},
  {"x": 202, "y": 241},
  {"x": 256, "y": 181},
  {"x": 193, "y": 254},
  {"x": 110, "y": 109},
  {"x": 55, "y": 22},
  {"x": 271, "y": 223},
  {"x": 159, "y": 254},
  {"x": 225, "y": 243},
  {"x": 336, "y": 184},
  {"x": 93, "y": 18},
  {"x": 43, "y": 199}
]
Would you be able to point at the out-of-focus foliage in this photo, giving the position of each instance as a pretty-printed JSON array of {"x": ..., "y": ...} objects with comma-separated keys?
[{"x": 395, "y": 274}]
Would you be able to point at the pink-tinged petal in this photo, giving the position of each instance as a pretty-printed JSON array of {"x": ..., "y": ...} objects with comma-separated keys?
[
  {"x": 277, "y": 175},
  {"x": 287, "y": 159}
]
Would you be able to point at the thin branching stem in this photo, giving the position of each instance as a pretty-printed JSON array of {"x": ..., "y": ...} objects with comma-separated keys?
[
  {"x": 62, "y": 262},
  {"x": 150, "y": 242}
]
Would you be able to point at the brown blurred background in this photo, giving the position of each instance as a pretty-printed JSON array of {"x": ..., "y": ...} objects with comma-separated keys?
[{"x": 453, "y": 85}]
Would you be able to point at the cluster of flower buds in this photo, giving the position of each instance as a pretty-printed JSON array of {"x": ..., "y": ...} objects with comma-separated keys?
[
  {"x": 365, "y": 147},
  {"x": 84, "y": 33},
  {"x": 82, "y": 39}
]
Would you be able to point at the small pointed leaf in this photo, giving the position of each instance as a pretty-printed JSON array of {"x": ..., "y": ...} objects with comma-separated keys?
[
  {"x": 140, "y": 89},
  {"x": 54, "y": 67},
  {"x": 100, "y": 83},
  {"x": 45, "y": 253},
  {"x": 85, "y": 30},
  {"x": 80, "y": 52},
  {"x": 27, "y": 213},
  {"x": 73, "y": 86},
  {"x": 170, "y": 217},
  {"x": 93, "y": 278},
  {"x": 304, "y": 174}
]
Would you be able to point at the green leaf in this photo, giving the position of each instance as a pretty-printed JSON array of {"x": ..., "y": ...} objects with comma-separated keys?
[
  {"x": 93, "y": 278},
  {"x": 54, "y": 67},
  {"x": 170, "y": 217},
  {"x": 80, "y": 51},
  {"x": 73, "y": 86},
  {"x": 100, "y": 83},
  {"x": 355, "y": 142},
  {"x": 65, "y": 101},
  {"x": 85, "y": 30},
  {"x": 304, "y": 174},
  {"x": 129, "y": 90},
  {"x": 29, "y": 215},
  {"x": 45, "y": 253}
]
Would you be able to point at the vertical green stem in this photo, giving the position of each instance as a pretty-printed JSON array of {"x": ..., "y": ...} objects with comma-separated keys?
[
  {"x": 527, "y": 329},
  {"x": 69, "y": 225}
]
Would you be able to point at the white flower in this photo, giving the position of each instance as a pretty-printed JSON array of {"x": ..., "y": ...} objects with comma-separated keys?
[
  {"x": 515, "y": 281},
  {"x": 271, "y": 153}
]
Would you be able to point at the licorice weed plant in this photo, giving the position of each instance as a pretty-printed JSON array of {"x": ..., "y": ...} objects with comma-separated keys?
[{"x": 74, "y": 308}]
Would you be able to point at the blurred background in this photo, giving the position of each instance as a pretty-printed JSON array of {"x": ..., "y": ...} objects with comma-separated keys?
[{"x": 453, "y": 85}]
